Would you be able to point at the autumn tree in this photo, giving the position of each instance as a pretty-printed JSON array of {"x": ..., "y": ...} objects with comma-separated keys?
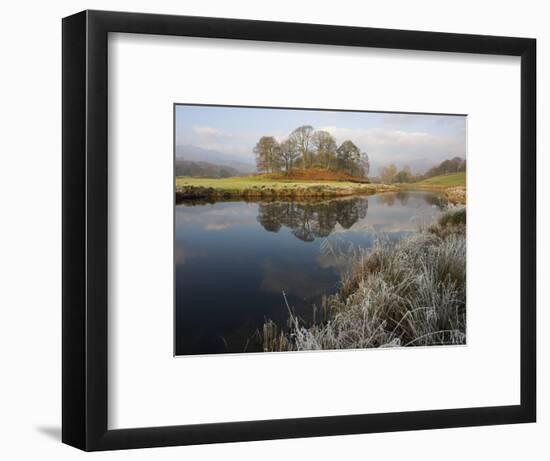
[
  {"x": 289, "y": 154},
  {"x": 325, "y": 148},
  {"x": 267, "y": 152},
  {"x": 302, "y": 136}
]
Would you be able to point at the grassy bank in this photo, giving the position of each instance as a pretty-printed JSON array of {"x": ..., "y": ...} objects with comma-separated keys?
[
  {"x": 453, "y": 186},
  {"x": 411, "y": 293},
  {"x": 448, "y": 180},
  {"x": 266, "y": 187}
]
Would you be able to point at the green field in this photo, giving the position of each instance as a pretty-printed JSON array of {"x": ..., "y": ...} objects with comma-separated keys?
[
  {"x": 258, "y": 186},
  {"x": 244, "y": 182},
  {"x": 448, "y": 180}
]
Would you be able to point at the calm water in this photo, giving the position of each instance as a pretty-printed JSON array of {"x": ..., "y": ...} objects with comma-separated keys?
[{"x": 235, "y": 259}]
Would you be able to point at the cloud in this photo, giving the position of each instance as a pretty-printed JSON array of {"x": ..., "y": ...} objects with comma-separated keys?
[
  {"x": 208, "y": 137},
  {"x": 293, "y": 279},
  {"x": 219, "y": 226},
  {"x": 399, "y": 120},
  {"x": 218, "y": 218},
  {"x": 403, "y": 139},
  {"x": 418, "y": 149},
  {"x": 183, "y": 253},
  {"x": 208, "y": 133}
]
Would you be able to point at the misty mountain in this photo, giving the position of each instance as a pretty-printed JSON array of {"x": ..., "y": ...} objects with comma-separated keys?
[
  {"x": 204, "y": 169},
  {"x": 198, "y": 154}
]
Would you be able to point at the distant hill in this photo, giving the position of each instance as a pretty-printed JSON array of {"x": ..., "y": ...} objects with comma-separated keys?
[
  {"x": 198, "y": 154},
  {"x": 454, "y": 165},
  {"x": 451, "y": 179},
  {"x": 204, "y": 169}
]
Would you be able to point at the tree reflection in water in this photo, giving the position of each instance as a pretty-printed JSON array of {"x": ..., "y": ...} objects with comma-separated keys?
[
  {"x": 389, "y": 199},
  {"x": 436, "y": 200},
  {"x": 403, "y": 197},
  {"x": 310, "y": 220}
]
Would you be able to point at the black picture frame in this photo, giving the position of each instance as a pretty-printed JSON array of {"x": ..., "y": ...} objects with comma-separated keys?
[{"x": 85, "y": 223}]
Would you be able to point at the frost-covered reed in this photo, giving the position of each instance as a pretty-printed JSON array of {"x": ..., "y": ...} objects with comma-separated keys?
[{"x": 409, "y": 293}]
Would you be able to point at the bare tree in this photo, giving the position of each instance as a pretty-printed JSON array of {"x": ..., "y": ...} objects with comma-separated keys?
[
  {"x": 364, "y": 164},
  {"x": 289, "y": 154},
  {"x": 325, "y": 147},
  {"x": 349, "y": 156},
  {"x": 267, "y": 152},
  {"x": 302, "y": 137}
]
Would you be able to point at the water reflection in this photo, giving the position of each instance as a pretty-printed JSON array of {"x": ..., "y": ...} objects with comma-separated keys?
[
  {"x": 234, "y": 259},
  {"x": 310, "y": 220},
  {"x": 437, "y": 200},
  {"x": 402, "y": 197}
]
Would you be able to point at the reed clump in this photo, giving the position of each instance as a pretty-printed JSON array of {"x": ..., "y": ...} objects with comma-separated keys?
[
  {"x": 409, "y": 293},
  {"x": 456, "y": 195}
]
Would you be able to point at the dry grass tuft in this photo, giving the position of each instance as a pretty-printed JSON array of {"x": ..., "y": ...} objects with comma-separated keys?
[
  {"x": 410, "y": 293},
  {"x": 456, "y": 195}
]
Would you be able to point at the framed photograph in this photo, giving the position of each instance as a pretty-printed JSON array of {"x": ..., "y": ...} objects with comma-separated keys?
[{"x": 278, "y": 230}]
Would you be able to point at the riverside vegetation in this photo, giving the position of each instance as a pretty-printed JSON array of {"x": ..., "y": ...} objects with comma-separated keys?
[
  {"x": 452, "y": 186},
  {"x": 409, "y": 293},
  {"x": 311, "y": 183},
  {"x": 265, "y": 186}
]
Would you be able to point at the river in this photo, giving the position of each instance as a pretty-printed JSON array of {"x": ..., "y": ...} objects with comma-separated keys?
[{"x": 234, "y": 260}]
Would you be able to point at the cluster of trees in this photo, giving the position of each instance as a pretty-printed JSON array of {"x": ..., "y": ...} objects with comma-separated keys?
[
  {"x": 308, "y": 221},
  {"x": 390, "y": 174},
  {"x": 455, "y": 165},
  {"x": 306, "y": 148}
]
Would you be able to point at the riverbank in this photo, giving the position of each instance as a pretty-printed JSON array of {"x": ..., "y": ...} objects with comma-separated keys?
[
  {"x": 452, "y": 186},
  {"x": 410, "y": 293},
  {"x": 259, "y": 187}
]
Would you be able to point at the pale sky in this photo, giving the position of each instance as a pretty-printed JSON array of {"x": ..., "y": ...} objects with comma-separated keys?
[{"x": 417, "y": 140}]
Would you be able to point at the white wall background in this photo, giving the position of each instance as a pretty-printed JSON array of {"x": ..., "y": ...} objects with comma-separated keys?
[{"x": 30, "y": 241}]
